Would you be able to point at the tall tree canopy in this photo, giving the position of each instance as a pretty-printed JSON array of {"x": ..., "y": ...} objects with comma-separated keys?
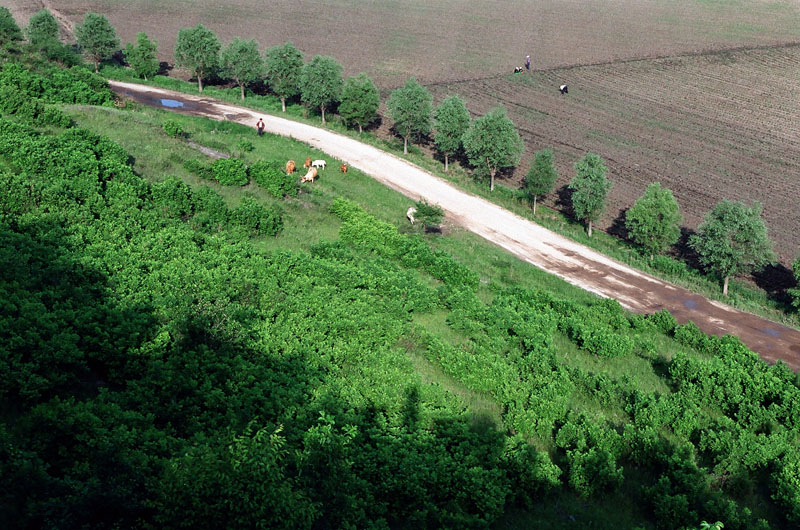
[
  {"x": 732, "y": 239},
  {"x": 9, "y": 30},
  {"x": 590, "y": 188},
  {"x": 492, "y": 142},
  {"x": 410, "y": 107},
  {"x": 284, "y": 65},
  {"x": 541, "y": 177},
  {"x": 654, "y": 220},
  {"x": 321, "y": 83},
  {"x": 143, "y": 57},
  {"x": 197, "y": 49},
  {"x": 451, "y": 121},
  {"x": 97, "y": 38},
  {"x": 360, "y": 101},
  {"x": 242, "y": 62},
  {"x": 796, "y": 292},
  {"x": 42, "y": 28}
]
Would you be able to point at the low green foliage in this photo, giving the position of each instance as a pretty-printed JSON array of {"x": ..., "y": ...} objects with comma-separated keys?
[
  {"x": 271, "y": 176},
  {"x": 173, "y": 128},
  {"x": 230, "y": 172},
  {"x": 256, "y": 218}
]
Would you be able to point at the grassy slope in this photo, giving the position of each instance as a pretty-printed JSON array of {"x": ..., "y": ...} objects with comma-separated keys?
[{"x": 308, "y": 222}]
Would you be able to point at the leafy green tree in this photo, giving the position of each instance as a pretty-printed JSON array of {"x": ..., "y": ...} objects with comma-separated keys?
[
  {"x": 451, "y": 121},
  {"x": 492, "y": 142},
  {"x": 590, "y": 188},
  {"x": 42, "y": 29},
  {"x": 143, "y": 57},
  {"x": 9, "y": 30},
  {"x": 360, "y": 100},
  {"x": 541, "y": 177},
  {"x": 410, "y": 108},
  {"x": 284, "y": 64},
  {"x": 321, "y": 83},
  {"x": 732, "y": 239},
  {"x": 653, "y": 221},
  {"x": 197, "y": 49},
  {"x": 97, "y": 37},
  {"x": 796, "y": 292},
  {"x": 242, "y": 62}
]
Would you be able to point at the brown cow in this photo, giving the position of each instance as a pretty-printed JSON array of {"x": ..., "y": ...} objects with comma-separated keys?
[
  {"x": 343, "y": 168},
  {"x": 290, "y": 167},
  {"x": 307, "y": 163},
  {"x": 310, "y": 176}
]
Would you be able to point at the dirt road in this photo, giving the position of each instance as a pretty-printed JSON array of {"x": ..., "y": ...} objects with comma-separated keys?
[{"x": 551, "y": 252}]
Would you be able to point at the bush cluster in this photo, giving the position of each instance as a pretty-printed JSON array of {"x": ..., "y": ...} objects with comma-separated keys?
[
  {"x": 230, "y": 172},
  {"x": 271, "y": 176}
]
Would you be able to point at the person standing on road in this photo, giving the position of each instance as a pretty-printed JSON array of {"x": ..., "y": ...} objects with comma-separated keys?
[
  {"x": 527, "y": 62},
  {"x": 260, "y": 126}
]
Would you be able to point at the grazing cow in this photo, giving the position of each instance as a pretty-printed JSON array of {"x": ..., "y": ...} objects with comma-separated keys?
[
  {"x": 410, "y": 214},
  {"x": 290, "y": 167},
  {"x": 307, "y": 163},
  {"x": 517, "y": 69},
  {"x": 318, "y": 163},
  {"x": 563, "y": 89},
  {"x": 310, "y": 176},
  {"x": 343, "y": 168}
]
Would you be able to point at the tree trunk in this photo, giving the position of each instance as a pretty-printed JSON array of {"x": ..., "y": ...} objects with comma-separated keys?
[
  {"x": 405, "y": 145},
  {"x": 322, "y": 108},
  {"x": 199, "y": 83},
  {"x": 725, "y": 286},
  {"x": 590, "y": 229},
  {"x": 96, "y": 66},
  {"x": 360, "y": 130},
  {"x": 241, "y": 85},
  {"x": 283, "y": 104},
  {"x": 445, "y": 162},
  {"x": 534, "y": 205},
  {"x": 491, "y": 176}
]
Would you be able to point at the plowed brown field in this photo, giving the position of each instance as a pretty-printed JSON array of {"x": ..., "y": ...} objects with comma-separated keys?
[{"x": 711, "y": 126}]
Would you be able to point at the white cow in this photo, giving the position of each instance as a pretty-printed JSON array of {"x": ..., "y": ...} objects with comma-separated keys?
[
  {"x": 318, "y": 163},
  {"x": 410, "y": 214}
]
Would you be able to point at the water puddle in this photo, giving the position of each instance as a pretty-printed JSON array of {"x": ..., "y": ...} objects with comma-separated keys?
[
  {"x": 172, "y": 103},
  {"x": 772, "y": 332},
  {"x": 690, "y": 304}
]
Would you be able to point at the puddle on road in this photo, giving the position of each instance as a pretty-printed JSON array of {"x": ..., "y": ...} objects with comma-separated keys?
[
  {"x": 772, "y": 332},
  {"x": 690, "y": 304},
  {"x": 172, "y": 103}
]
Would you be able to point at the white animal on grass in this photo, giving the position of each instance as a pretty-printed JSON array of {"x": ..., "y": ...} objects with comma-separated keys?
[
  {"x": 318, "y": 163},
  {"x": 410, "y": 214}
]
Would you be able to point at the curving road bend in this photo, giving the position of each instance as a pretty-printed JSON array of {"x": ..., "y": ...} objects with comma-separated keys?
[{"x": 547, "y": 250}]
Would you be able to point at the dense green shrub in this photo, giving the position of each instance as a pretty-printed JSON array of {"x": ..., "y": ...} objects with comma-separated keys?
[
  {"x": 257, "y": 218},
  {"x": 173, "y": 197},
  {"x": 230, "y": 171},
  {"x": 671, "y": 266},
  {"x": 172, "y": 128},
  {"x": 664, "y": 321},
  {"x": 690, "y": 335},
  {"x": 271, "y": 176}
]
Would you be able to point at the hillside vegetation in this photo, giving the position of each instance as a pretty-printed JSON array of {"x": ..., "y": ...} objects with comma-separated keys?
[{"x": 189, "y": 351}]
